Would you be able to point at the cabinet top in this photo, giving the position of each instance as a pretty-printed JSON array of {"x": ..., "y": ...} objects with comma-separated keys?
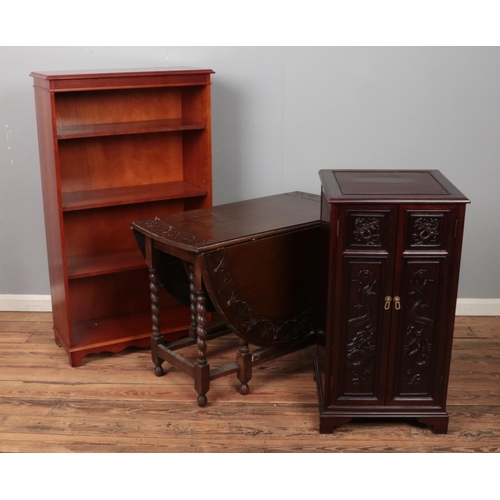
[
  {"x": 120, "y": 78},
  {"x": 369, "y": 186}
]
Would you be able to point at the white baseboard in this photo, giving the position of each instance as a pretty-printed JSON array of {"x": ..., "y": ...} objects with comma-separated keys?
[
  {"x": 478, "y": 307},
  {"x": 465, "y": 307},
  {"x": 28, "y": 303}
]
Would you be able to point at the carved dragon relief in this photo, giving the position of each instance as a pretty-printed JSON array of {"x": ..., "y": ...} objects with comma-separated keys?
[
  {"x": 367, "y": 231},
  {"x": 361, "y": 339},
  {"x": 425, "y": 231},
  {"x": 417, "y": 343},
  {"x": 252, "y": 325}
]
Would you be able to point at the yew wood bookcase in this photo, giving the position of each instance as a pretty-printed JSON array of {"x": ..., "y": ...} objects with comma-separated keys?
[{"x": 116, "y": 146}]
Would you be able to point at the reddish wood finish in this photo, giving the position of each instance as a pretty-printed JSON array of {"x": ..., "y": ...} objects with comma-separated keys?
[
  {"x": 390, "y": 250},
  {"x": 116, "y": 146},
  {"x": 145, "y": 127},
  {"x": 113, "y": 197},
  {"x": 253, "y": 263}
]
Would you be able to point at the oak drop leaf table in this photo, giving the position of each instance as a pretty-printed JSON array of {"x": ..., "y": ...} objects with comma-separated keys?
[{"x": 251, "y": 267}]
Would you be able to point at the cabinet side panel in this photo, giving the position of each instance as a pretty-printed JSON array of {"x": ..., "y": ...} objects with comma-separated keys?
[
  {"x": 52, "y": 212},
  {"x": 326, "y": 264},
  {"x": 451, "y": 303}
]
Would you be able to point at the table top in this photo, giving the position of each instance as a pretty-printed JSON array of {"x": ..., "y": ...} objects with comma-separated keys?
[
  {"x": 368, "y": 186},
  {"x": 210, "y": 228}
]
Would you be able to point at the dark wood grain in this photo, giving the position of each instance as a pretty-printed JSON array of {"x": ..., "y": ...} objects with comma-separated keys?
[
  {"x": 381, "y": 186},
  {"x": 209, "y": 229},
  {"x": 254, "y": 263},
  {"x": 391, "y": 260}
]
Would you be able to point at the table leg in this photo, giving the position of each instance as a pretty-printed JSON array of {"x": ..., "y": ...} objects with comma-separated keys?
[
  {"x": 154, "y": 288},
  {"x": 192, "y": 297},
  {"x": 202, "y": 368},
  {"x": 244, "y": 359}
]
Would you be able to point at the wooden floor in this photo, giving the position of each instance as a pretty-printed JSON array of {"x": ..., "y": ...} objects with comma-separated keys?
[{"x": 114, "y": 403}]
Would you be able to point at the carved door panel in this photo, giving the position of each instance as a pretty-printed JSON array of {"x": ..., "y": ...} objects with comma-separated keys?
[
  {"x": 391, "y": 353},
  {"x": 363, "y": 331},
  {"x": 418, "y": 332},
  {"x": 365, "y": 269}
]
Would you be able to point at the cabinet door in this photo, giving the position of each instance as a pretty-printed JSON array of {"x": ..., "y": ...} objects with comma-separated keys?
[
  {"x": 420, "y": 328},
  {"x": 364, "y": 277}
]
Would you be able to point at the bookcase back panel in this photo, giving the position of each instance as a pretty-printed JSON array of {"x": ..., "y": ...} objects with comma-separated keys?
[
  {"x": 108, "y": 229},
  {"x": 197, "y": 157},
  {"x": 196, "y": 104},
  {"x": 118, "y": 161},
  {"x": 113, "y": 295},
  {"x": 117, "y": 106}
]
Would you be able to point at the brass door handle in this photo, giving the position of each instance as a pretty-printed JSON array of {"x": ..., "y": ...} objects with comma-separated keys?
[
  {"x": 397, "y": 303},
  {"x": 387, "y": 303}
]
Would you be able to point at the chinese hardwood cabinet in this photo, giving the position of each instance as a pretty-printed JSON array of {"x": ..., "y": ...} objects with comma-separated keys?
[
  {"x": 116, "y": 146},
  {"x": 390, "y": 252}
]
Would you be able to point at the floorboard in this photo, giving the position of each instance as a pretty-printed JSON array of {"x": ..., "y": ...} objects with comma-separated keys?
[{"x": 114, "y": 402}]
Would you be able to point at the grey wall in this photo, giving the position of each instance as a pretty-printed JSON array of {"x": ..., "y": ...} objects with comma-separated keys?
[{"x": 279, "y": 115}]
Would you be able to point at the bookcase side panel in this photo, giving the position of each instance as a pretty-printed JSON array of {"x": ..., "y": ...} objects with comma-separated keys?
[{"x": 44, "y": 103}]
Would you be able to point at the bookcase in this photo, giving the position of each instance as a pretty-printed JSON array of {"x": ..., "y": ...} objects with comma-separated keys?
[{"x": 116, "y": 146}]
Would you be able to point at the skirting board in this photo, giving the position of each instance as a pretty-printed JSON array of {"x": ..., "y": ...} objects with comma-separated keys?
[
  {"x": 465, "y": 307},
  {"x": 478, "y": 307},
  {"x": 25, "y": 303}
]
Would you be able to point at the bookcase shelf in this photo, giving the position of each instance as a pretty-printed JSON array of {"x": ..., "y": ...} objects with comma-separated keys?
[
  {"x": 83, "y": 266},
  {"x": 116, "y": 146},
  {"x": 140, "y": 127},
  {"x": 82, "y": 200}
]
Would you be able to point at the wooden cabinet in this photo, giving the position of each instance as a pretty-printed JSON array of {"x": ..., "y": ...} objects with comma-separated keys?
[
  {"x": 390, "y": 257},
  {"x": 116, "y": 146}
]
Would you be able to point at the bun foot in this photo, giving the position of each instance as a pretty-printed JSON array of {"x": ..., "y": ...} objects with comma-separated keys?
[
  {"x": 159, "y": 371},
  {"x": 244, "y": 389},
  {"x": 202, "y": 400}
]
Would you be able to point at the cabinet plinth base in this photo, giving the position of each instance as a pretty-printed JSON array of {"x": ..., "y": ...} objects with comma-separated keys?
[
  {"x": 328, "y": 421},
  {"x": 333, "y": 417}
]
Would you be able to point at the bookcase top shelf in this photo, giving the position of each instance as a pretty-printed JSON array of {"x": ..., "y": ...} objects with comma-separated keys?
[{"x": 85, "y": 80}]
